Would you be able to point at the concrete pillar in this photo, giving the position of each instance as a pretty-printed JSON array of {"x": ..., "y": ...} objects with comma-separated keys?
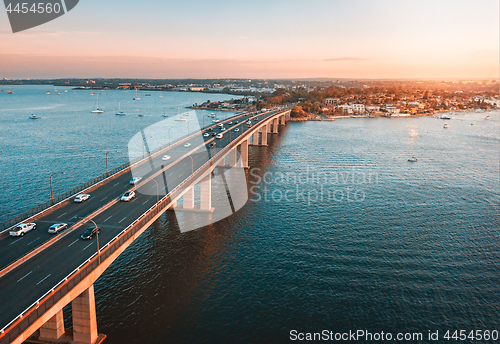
[
  {"x": 188, "y": 198},
  {"x": 255, "y": 138},
  {"x": 233, "y": 157},
  {"x": 244, "y": 153},
  {"x": 264, "y": 135},
  {"x": 54, "y": 328},
  {"x": 84, "y": 317},
  {"x": 275, "y": 125},
  {"x": 222, "y": 162},
  {"x": 206, "y": 192}
]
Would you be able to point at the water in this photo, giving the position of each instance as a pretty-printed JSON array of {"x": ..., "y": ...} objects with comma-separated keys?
[
  {"x": 68, "y": 138},
  {"x": 343, "y": 234}
]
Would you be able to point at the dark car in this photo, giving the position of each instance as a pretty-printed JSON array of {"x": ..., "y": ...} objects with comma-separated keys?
[
  {"x": 210, "y": 129},
  {"x": 214, "y": 134},
  {"x": 89, "y": 233},
  {"x": 237, "y": 122},
  {"x": 212, "y": 144}
]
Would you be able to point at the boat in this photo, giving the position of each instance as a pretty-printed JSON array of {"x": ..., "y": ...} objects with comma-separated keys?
[
  {"x": 58, "y": 93},
  {"x": 444, "y": 117},
  {"x": 412, "y": 159},
  {"x": 33, "y": 116},
  {"x": 140, "y": 115},
  {"x": 445, "y": 126},
  {"x": 120, "y": 113},
  {"x": 487, "y": 117},
  {"x": 97, "y": 110},
  {"x": 180, "y": 119},
  {"x": 65, "y": 90},
  {"x": 136, "y": 97},
  {"x": 165, "y": 115},
  {"x": 48, "y": 92},
  {"x": 148, "y": 95},
  {"x": 10, "y": 91}
]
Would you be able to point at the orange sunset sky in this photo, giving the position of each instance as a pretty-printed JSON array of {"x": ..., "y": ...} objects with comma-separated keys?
[{"x": 259, "y": 39}]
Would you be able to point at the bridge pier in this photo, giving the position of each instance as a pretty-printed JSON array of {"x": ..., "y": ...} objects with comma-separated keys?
[
  {"x": 206, "y": 193},
  {"x": 264, "y": 135},
  {"x": 255, "y": 138},
  {"x": 53, "y": 329},
  {"x": 84, "y": 317},
  {"x": 188, "y": 198},
  {"x": 244, "y": 154}
]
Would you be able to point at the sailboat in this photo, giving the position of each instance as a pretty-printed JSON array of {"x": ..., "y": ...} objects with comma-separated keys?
[
  {"x": 97, "y": 110},
  {"x": 120, "y": 113},
  {"x": 137, "y": 98}
]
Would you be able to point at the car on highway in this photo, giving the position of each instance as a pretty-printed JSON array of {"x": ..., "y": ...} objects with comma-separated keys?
[
  {"x": 166, "y": 157},
  {"x": 221, "y": 125},
  {"x": 135, "y": 180},
  {"x": 236, "y": 122},
  {"x": 81, "y": 198},
  {"x": 222, "y": 129},
  {"x": 187, "y": 144},
  {"x": 230, "y": 123},
  {"x": 237, "y": 129},
  {"x": 219, "y": 136},
  {"x": 210, "y": 129},
  {"x": 58, "y": 227},
  {"x": 255, "y": 119},
  {"x": 214, "y": 134},
  {"x": 127, "y": 196},
  {"x": 89, "y": 233},
  {"x": 211, "y": 145},
  {"x": 206, "y": 135},
  {"x": 22, "y": 228}
]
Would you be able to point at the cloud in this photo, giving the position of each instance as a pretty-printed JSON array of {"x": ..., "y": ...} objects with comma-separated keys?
[{"x": 347, "y": 58}]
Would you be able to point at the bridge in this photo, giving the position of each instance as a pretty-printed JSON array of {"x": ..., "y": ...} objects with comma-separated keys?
[{"x": 42, "y": 273}]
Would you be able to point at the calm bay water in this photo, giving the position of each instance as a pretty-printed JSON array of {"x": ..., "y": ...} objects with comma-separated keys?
[{"x": 341, "y": 232}]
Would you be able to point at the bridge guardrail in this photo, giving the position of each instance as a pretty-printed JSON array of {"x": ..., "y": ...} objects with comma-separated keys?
[
  {"x": 39, "y": 307},
  {"x": 9, "y": 223}
]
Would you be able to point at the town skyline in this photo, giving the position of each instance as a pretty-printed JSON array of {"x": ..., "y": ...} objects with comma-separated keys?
[{"x": 285, "y": 40}]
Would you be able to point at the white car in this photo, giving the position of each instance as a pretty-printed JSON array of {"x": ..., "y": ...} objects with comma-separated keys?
[
  {"x": 22, "y": 228},
  {"x": 222, "y": 129},
  {"x": 187, "y": 144},
  {"x": 135, "y": 180},
  {"x": 58, "y": 227},
  {"x": 166, "y": 157},
  {"x": 230, "y": 123},
  {"x": 237, "y": 129},
  {"x": 219, "y": 136},
  {"x": 221, "y": 125},
  {"x": 81, "y": 198},
  {"x": 127, "y": 196},
  {"x": 206, "y": 135}
]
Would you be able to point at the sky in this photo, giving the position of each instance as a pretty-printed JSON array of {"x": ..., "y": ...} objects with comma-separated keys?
[{"x": 360, "y": 39}]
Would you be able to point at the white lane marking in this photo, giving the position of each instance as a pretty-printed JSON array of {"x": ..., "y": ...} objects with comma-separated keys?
[
  {"x": 145, "y": 202},
  {"x": 61, "y": 215},
  {"x": 87, "y": 246},
  {"x": 171, "y": 174},
  {"x": 116, "y": 184},
  {"x": 73, "y": 242},
  {"x": 19, "y": 280},
  {"x": 135, "y": 199},
  {"x": 74, "y": 217},
  {"x": 103, "y": 199},
  {"x": 43, "y": 279},
  {"x": 33, "y": 241},
  {"x": 153, "y": 186},
  {"x": 122, "y": 219},
  {"x": 108, "y": 218},
  {"x": 16, "y": 241}
]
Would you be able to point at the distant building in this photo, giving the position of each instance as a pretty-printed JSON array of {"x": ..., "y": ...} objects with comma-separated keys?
[
  {"x": 331, "y": 101},
  {"x": 358, "y": 108}
]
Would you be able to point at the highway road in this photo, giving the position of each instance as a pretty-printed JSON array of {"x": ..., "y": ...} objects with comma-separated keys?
[{"x": 28, "y": 282}]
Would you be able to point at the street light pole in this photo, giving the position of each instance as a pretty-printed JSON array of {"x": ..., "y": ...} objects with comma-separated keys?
[
  {"x": 97, "y": 235},
  {"x": 107, "y": 173},
  {"x": 51, "y": 189}
]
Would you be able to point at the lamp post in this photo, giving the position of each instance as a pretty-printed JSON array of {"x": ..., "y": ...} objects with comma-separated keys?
[
  {"x": 97, "y": 235},
  {"x": 51, "y": 189},
  {"x": 107, "y": 172}
]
